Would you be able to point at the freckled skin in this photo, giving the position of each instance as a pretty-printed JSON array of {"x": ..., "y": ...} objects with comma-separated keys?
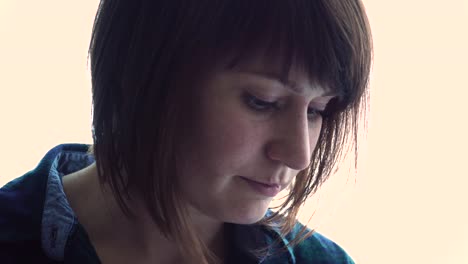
[{"x": 230, "y": 139}]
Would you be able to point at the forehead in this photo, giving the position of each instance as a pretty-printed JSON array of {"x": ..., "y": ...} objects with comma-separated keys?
[{"x": 294, "y": 76}]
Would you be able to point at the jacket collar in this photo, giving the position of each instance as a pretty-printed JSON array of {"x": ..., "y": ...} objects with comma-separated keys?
[{"x": 39, "y": 197}]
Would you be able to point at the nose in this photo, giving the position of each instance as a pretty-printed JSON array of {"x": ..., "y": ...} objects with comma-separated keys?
[{"x": 292, "y": 143}]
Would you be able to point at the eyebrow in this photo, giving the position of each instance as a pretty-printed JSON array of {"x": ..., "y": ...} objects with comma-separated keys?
[{"x": 291, "y": 85}]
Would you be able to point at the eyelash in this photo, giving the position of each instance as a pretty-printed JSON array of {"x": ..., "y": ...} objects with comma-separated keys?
[{"x": 259, "y": 105}]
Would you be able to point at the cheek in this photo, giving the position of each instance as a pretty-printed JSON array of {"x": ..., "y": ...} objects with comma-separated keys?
[
  {"x": 220, "y": 143},
  {"x": 229, "y": 139}
]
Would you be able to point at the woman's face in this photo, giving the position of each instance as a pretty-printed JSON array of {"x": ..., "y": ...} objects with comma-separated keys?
[{"x": 251, "y": 137}]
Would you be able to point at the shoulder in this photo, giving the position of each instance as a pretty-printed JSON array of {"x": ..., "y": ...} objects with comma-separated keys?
[
  {"x": 317, "y": 248},
  {"x": 21, "y": 209},
  {"x": 20, "y": 220},
  {"x": 22, "y": 199},
  {"x": 313, "y": 247}
]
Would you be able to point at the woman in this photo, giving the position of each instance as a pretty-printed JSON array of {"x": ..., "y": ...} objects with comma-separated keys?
[{"x": 203, "y": 111}]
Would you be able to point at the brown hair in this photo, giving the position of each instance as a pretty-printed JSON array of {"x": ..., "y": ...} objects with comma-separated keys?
[{"x": 145, "y": 53}]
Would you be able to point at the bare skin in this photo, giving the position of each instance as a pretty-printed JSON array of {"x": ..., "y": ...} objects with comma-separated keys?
[
  {"x": 135, "y": 241},
  {"x": 236, "y": 136}
]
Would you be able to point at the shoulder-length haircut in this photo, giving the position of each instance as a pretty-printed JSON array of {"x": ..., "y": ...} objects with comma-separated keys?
[{"x": 147, "y": 57}]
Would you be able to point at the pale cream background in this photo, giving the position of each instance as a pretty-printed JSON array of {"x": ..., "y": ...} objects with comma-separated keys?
[{"x": 409, "y": 203}]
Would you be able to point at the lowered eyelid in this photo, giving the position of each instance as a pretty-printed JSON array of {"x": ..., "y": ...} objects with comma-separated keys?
[
  {"x": 324, "y": 100},
  {"x": 260, "y": 94}
]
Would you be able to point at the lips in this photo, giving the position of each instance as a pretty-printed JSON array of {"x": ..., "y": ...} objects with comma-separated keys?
[{"x": 269, "y": 190}]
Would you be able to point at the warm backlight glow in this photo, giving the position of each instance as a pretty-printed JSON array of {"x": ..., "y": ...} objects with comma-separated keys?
[{"x": 408, "y": 202}]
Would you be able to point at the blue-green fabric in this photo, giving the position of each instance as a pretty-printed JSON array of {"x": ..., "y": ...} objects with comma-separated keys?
[{"x": 37, "y": 225}]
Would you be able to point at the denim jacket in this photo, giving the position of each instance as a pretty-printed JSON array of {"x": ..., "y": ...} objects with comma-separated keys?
[{"x": 37, "y": 224}]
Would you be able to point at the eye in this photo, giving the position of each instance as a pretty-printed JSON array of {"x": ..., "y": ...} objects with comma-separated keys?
[
  {"x": 258, "y": 104},
  {"x": 313, "y": 113}
]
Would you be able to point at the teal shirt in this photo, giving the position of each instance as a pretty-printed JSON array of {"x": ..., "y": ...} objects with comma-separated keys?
[{"x": 37, "y": 225}]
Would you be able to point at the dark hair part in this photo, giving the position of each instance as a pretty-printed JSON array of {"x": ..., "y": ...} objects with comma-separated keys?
[{"x": 147, "y": 57}]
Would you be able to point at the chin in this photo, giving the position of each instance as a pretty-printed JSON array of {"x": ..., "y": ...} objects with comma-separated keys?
[{"x": 246, "y": 216}]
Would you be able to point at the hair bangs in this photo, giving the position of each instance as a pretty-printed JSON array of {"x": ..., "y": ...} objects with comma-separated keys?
[
  {"x": 304, "y": 34},
  {"x": 149, "y": 57}
]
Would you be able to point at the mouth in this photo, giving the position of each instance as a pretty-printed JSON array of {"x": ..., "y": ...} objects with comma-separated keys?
[{"x": 269, "y": 190}]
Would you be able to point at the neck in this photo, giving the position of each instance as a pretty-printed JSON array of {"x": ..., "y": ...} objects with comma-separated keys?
[{"x": 139, "y": 238}]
